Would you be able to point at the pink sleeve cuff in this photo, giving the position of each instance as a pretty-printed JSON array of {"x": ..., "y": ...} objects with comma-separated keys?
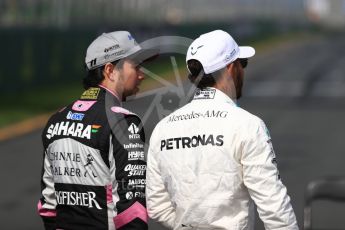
[
  {"x": 137, "y": 210},
  {"x": 45, "y": 212}
]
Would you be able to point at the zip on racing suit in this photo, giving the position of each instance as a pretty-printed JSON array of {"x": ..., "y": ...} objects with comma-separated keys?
[
  {"x": 208, "y": 162},
  {"x": 93, "y": 174}
]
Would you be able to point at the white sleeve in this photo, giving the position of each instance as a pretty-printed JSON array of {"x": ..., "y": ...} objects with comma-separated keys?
[
  {"x": 261, "y": 177},
  {"x": 47, "y": 202},
  {"x": 158, "y": 201}
]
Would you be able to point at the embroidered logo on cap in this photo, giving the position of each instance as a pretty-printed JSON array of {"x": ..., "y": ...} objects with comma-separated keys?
[{"x": 193, "y": 53}]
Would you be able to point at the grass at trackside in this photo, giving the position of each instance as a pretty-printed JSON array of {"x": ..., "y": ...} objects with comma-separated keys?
[
  {"x": 9, "y": 116},
  {"x": 23, "y": 105},
  {"x": 34, "y": 102},
  {"x": 163, "y": 68},
  {"x": 271, "y": 42}
]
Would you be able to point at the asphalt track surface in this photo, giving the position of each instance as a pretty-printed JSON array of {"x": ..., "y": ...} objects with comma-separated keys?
[{"x": 297, "y": 88}]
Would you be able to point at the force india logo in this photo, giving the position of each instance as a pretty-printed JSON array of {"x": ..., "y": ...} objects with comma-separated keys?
[
  {"x": 71, "y": 129},
  {"x": 133, "y": 129}
]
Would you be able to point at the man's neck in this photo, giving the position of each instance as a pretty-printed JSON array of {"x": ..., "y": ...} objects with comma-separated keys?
[
  {"x": 113, "y": 92},
  {"x": 228, "y": 90}
]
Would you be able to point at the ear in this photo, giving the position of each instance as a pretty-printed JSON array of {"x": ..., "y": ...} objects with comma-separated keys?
[
  {"x": 230, "y": 68},
  {"x": 108, "y": 70}
]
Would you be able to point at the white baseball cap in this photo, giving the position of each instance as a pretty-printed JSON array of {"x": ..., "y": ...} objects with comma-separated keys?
[
  {"x": 216, "y": 49},
  {"x": 113, "y": 46}
]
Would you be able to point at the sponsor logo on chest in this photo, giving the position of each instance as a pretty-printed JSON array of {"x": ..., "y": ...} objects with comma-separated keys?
[
  {"x": 75, "y": 116},
  {"x": 137, "y": 182},
  {"x": 133, "y": 146},
  {"x": 135, "y": 170},
  {"x": 71, "y": 129},
  {"x": 196, "y": 115},
  {"x": 130, "y": 195},
  {"x": 86, "y": 199},
  {"x": 192, "y": 142},
  {"x": 136, "y": 155},
  {"x": 133, "y": 129}
]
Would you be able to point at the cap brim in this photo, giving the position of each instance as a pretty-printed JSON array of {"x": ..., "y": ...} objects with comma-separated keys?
[
  {"x": 143, "y": 55},
  {"x": 246, "y": 52}
]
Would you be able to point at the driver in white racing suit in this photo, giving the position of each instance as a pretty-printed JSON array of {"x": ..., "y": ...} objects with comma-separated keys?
[{"x": 210, "y": 161}]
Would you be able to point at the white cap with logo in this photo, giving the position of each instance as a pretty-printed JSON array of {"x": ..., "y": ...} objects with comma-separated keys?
[
  {"x": 217, "y": 49},
  {"x": 113, "y": 46}
]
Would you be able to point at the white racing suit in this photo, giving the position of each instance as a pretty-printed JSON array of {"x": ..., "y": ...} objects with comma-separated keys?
[{"x": 208, "y": 162}]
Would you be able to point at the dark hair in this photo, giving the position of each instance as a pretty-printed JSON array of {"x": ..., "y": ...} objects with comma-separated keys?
[
  {"x": 95, "y": 76},
  {"x": 205, "y": 80}
]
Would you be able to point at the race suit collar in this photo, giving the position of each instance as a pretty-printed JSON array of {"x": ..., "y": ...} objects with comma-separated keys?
[
  {"x": 110, "y": 91},
  {"x": 211, "y": 93}
]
